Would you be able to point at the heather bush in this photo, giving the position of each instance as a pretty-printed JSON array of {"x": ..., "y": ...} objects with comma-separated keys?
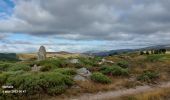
[
  {"x": 148, "y": 76},
  {"x": 100, "y": 78},
  {"x": 114, "y": 70}
]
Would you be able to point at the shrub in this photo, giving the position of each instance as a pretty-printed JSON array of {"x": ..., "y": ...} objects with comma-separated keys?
[
  {"x": 148, "y": 76},
  {"x": 4, "y": 66},
  {"x": 66, "y": 71},
  {"x": 99, "y": 77},
  {"x": 19, "y": 66},
  {"x": 45, "y": 68},
  {"x": 114, "y": 70},
  {"x": 53, "y": 63},
  {"x": 5, "y": 75},
  {"x": 89, "y": 62},
  {"x": 35, "y": 83},
  {"x": 123, "y": 64}
]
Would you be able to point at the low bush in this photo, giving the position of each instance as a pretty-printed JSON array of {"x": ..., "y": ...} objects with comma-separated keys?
[
  {"x": 45, "y": 68},
  {"x": 123, "y": 64},
  {"x": 19, "y": 66},
  {"x": 89, "y": 62},
  {"x": 114, "y": 70},
  {"x": 4, "y": 66},
  {"x": 100, "y": 78},
  {"x": 51, "y": 63},
  {"x": 148, "y": 76},
  {"x": 66, "y": 71},
  {"x": 36, "y": 83}
]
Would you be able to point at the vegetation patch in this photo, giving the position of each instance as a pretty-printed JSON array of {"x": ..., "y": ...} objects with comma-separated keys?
[
  {"x": 148, "y": 76},
  {"x": 123, "y": 64},
  {"x": 100, "y": 78},
  {"x": 114, "y": 70},
  {"x": 158, "y": 57},
  {"x": 66, "y": 71},
  {"x": 19, "y": 66},
  {"x": 51, "y": 83},
  {"x": 51, "y": 63}
]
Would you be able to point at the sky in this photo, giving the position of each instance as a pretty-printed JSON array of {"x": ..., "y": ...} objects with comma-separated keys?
[{"x": 83, "y": 25}]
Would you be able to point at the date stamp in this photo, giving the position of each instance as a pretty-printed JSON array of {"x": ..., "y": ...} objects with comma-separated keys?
[{"x": 7, "y": 89}]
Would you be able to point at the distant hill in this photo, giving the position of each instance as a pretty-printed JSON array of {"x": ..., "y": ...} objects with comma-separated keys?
[
  {"x": 120, "y": 51},
  {"x": 61, "y": 52},
  {"x": 8, "y": 56}
]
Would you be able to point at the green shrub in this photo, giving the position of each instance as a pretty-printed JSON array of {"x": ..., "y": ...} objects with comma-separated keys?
[
  {"x": 66, "y": 71},
  {"x": 36, "y": 83},
  {"x": 99, "y": 77},
  {"x": 52, "y": 63},
  {"x": 45, "y": 68},
  {"x": 4, "y": 66},
  {"x": 114, "y": 70},
  {"x": 123, "y": 64},
  {"x": 19, "y": 66},
  {"x": 89, "y": 62},
  {"x": 148, "y": 76},
  {"x": 5, "y": 75},
  {"x": 158, "y": 57}
]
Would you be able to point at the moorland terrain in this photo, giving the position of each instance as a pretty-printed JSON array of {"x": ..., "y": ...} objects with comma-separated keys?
[{"x": 54, "y": 78}]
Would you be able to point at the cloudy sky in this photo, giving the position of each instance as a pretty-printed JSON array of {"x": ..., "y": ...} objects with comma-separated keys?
[{"x": 83, "y": 25}]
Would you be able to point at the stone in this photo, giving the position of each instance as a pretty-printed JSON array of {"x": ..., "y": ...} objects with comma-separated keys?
[
  {"x": 79, "y": 78},
  {"x": 84, "y": 72},
  {"x": 74, "y": 61},
  {"x": 105, "y": 61},
  {"x": 35, "y": 68},
  {"x": 41, "y": 53}
]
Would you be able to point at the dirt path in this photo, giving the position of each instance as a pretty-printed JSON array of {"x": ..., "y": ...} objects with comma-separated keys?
[{"x": 119, "y": 93}]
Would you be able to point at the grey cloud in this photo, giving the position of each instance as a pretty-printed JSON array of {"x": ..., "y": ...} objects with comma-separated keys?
[{"x": 90, "y": 19}]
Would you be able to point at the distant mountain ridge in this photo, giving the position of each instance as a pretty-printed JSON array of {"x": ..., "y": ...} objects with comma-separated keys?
[{"x": 120, "y": 51}]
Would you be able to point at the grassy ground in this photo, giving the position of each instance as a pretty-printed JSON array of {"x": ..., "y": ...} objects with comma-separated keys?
[
  {"x": 158, "y": 94},
  {"x": 128, "y": 71}
]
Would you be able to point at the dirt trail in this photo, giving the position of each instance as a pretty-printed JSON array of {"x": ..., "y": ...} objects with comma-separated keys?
[{"x": 119, "y": 93}]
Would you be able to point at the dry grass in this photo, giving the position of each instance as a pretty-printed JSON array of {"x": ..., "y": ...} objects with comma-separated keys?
[
  {"x": 33, "y": 56},
  {"x": 92, "y": 87},
  {"x": 63, "y": 55},
  {"x": 158, "y": 94},
  {"x": 27, "y": 56}
]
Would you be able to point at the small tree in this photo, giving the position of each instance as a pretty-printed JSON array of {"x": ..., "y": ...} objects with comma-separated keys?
[
  {"x": 163, "y": 51},
  {"x": 152, "y": 51},
  {"x": 147, "y": 52},
  {"x": 141, "y": 53}
]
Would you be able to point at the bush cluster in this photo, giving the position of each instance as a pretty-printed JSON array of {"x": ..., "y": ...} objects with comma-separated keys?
[
  {"x": 123, "y": 64},
  {"x": 49, "y": 64},
  {"x": 4, "y": 66},
  {"x": 114, "y": 70},
  {"x": 66, "y": 71},
  {"x": 51, "y": 83},
  {"x": 100, "y": 78},
  {"x": 148, "y": 76},
  {"x": 19, "y": 66}
]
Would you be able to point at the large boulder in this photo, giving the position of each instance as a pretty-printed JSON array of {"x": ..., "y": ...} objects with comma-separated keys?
[
  {"x": 35, "y": 68},
  {"x": 74, "y": 61},
  {"x": 83, "y": 72},
  {"x": 41, "y": 53},
  {"x": 79, "y": 78}
]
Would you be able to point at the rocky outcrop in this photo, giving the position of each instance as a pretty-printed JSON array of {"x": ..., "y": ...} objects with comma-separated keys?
[{"x": 82, "y": 74}]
